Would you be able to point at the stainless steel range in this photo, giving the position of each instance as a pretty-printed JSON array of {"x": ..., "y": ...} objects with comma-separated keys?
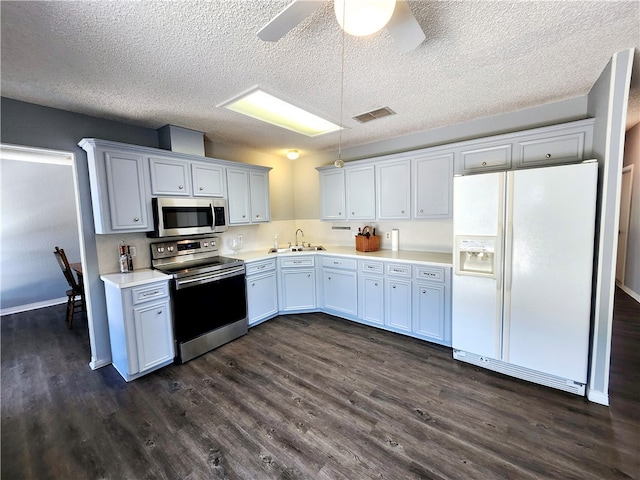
[{"x": 208, "y": 294}]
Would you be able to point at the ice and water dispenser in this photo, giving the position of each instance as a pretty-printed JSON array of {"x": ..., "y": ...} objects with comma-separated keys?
[{"x": 476, "y": 255}]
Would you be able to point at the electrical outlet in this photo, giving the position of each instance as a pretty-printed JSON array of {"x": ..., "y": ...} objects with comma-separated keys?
[
  {"x": 387, "y": 235},
  {"x": 239, "y": 237}
]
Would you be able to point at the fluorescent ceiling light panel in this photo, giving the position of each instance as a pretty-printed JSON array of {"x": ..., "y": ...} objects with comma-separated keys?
[{"x": 262, "y": 106}]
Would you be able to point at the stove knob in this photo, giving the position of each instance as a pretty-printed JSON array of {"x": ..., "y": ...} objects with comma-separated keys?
[
  {"x": 206, "y": 244},
  {"x": 160, "y": 249}
]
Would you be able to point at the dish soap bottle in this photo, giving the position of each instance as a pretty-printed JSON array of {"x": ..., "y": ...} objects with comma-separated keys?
[{"x": 275, "y": 241}]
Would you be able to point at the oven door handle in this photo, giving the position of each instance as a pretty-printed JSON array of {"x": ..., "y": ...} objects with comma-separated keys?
[{"x": 208, "y": 278}]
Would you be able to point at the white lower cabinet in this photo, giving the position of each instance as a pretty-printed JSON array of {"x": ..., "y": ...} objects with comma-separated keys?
[
  {"x": 371, "y": 292},
  {"x": 140, "y": 327},
  {"x": 262, "y": 290},
  {"x": 297, "y": 282},
  {"x": 432, "y": 304},
  {"x": 340, "y": 285},
  {"x": 398, "y": 304}
]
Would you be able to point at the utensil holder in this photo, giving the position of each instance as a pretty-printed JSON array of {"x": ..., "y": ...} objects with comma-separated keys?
[{"x": 367, "y": 244}]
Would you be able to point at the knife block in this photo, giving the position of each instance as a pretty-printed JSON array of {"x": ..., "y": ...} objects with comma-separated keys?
[{"x": 367, "y": 244}]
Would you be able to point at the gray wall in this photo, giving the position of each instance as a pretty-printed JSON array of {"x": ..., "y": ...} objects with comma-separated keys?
[
  {"x": 607, "y": 104},
  {"x": 632, "y": 157},
  {"x": 38, "y": 212},
  {"x": 36, "y": 126}
]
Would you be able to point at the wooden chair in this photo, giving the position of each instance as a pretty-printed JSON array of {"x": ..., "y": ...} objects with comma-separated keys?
[{"x": 75, "y": 295}]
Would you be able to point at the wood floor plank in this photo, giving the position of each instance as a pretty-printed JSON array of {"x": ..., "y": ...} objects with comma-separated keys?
[{"x": 305, "y": 397}]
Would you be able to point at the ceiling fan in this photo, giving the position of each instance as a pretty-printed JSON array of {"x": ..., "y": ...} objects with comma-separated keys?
[{"x": 402, "y": 24}]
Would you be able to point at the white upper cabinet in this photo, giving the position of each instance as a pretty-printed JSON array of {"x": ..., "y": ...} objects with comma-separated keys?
[
  {"x": 361, "y": 194},
  {"x": 259, "y": 196},
  {"x": 169, "y": 176},
  {"x": 393, "y": 185},
  {"x": 208, "y": 180},
  {"x": 433, "y": 186},
  {"x": 332, "y": 194},
  {"x": 119, "y": 188},
  {"x": 248, "y": 196}
]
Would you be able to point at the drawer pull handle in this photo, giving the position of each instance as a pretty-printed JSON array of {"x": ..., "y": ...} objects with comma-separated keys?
[{"x": 148, "y": 294}]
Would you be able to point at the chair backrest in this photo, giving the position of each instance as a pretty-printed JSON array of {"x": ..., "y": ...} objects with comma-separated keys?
[{"x": 61, "y": 257}]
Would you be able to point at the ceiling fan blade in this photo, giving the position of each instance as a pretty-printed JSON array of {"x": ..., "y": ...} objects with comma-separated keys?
[
  {"x": 404, "y": 28},
  {"x": 288, "y": 18}
]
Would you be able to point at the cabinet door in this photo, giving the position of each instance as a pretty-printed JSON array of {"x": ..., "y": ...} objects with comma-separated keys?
[
  {"x": 433, "y": 186},
  {"x": 298, "y": 289},
  {"x": 262, "y": 297},
  {"x": 208, "y": 180},
  {"x": 340, "y": 291},
  {"x": 169, "y": 176},
  {"x": 259, "y": 186},
  {"x": 127, "y": 192},
  {"x": 154, "y": 339},
  {"x": 486, "y": 158},
  {"x": 393, "y": 181},
  {"x": 238, "y": 193},
  {"x": 332, "y": 195},
  {"x": 372, "y": 299},
  {"x": 429, "y": 315},
  {"x": 361, "y": 200},
  {"x": 398, "y": 304}
]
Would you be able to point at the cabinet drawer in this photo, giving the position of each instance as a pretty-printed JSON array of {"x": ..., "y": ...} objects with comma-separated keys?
[
  {"x": 373, "y": 267},
  {"x": 146, "y": 293},
  {"x": 398, "y": 270},
  {"x": 336, "y": 262},
  {"x": 261, "y": 266},
  {"x": 564, "y": 148},
  {"x": 488, "y": 158},
  {"x": 289, "y": 262},
  {"x": 435, "y": 274}
]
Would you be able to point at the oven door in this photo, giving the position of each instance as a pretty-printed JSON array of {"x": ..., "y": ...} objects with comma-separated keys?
[{"x": 209, "y": 310}]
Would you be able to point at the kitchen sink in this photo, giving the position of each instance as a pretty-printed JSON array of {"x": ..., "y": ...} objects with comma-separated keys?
[{"x": 294, "y": 249}]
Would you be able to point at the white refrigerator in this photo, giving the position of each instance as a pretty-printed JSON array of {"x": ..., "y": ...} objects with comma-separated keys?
[{"x": 523, "y": 262}]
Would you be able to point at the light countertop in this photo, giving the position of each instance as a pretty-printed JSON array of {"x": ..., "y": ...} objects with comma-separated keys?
[
  {"x": 402, "y": 256},
  {"x": 135, "y": 278}
]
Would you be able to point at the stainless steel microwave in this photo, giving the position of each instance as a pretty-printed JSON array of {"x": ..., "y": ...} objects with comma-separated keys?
[{"x": 188, "y": 216}]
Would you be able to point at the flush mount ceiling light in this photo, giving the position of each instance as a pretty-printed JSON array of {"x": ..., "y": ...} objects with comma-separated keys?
[
  {"x": 293, "y": 154},
  {"x": 262, "y": 106},
  {"x": 363, "y": 17}
]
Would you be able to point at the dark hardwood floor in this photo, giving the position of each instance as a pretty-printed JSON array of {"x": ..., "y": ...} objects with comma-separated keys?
[{"x": 306, "y": 397}]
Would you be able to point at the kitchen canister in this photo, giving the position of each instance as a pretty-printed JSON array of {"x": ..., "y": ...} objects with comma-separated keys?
[{"x": 395, "y": 234}]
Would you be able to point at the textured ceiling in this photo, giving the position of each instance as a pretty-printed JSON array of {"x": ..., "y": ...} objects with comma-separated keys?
[{"x": 153, "y": 63}]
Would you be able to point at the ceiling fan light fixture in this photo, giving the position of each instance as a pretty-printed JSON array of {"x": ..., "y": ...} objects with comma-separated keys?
[
  {"x": 293, "y": 154},
  {"x": 363, "y": 17}
]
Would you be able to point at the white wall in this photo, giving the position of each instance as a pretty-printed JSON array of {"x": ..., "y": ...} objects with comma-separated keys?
[
  {"x": 632, "y": 157},
  {"x": 36, "y": 215}
]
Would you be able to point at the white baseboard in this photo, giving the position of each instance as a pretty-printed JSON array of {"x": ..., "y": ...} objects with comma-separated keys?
[
  {"x": 99, "y": 363},
  {"x": 598, "y": 397},
  {"x": 628, "y": 291},
  {"x": 33, "y": 306}
]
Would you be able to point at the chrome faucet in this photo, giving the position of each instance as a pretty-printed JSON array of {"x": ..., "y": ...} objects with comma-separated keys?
[{"x": 298, "y": 230}]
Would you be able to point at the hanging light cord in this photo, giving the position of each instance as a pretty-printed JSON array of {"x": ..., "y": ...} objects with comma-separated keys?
[{"x": 341, "y": 83}]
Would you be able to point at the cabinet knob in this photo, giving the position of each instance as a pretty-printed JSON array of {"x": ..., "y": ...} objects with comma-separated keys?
[
  {"x": 201, "y": 188},
  {"x": 180, "y": 187},
  {"x": 548, "y": 155},
  {"x": 257, "y": 215},
  {"x": 376, "y": 284},
  {"x": 329, "y": 278},
  {"x": 424, "y": 291},
  {"x": 244, "y": 216},
  {"x": 421, "y": 211},
  {"x": 353, "y": 213},
  {"x": 394, "y": 286},
  {"x": 136, "y": 219},
  {"x": 159, "y": 312},
  {"x": 339, "y": 213},
  {"x": 484, "y": 164},
  {"x": 402, "y": 211},
  {"x": 253, "y": 284}
]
